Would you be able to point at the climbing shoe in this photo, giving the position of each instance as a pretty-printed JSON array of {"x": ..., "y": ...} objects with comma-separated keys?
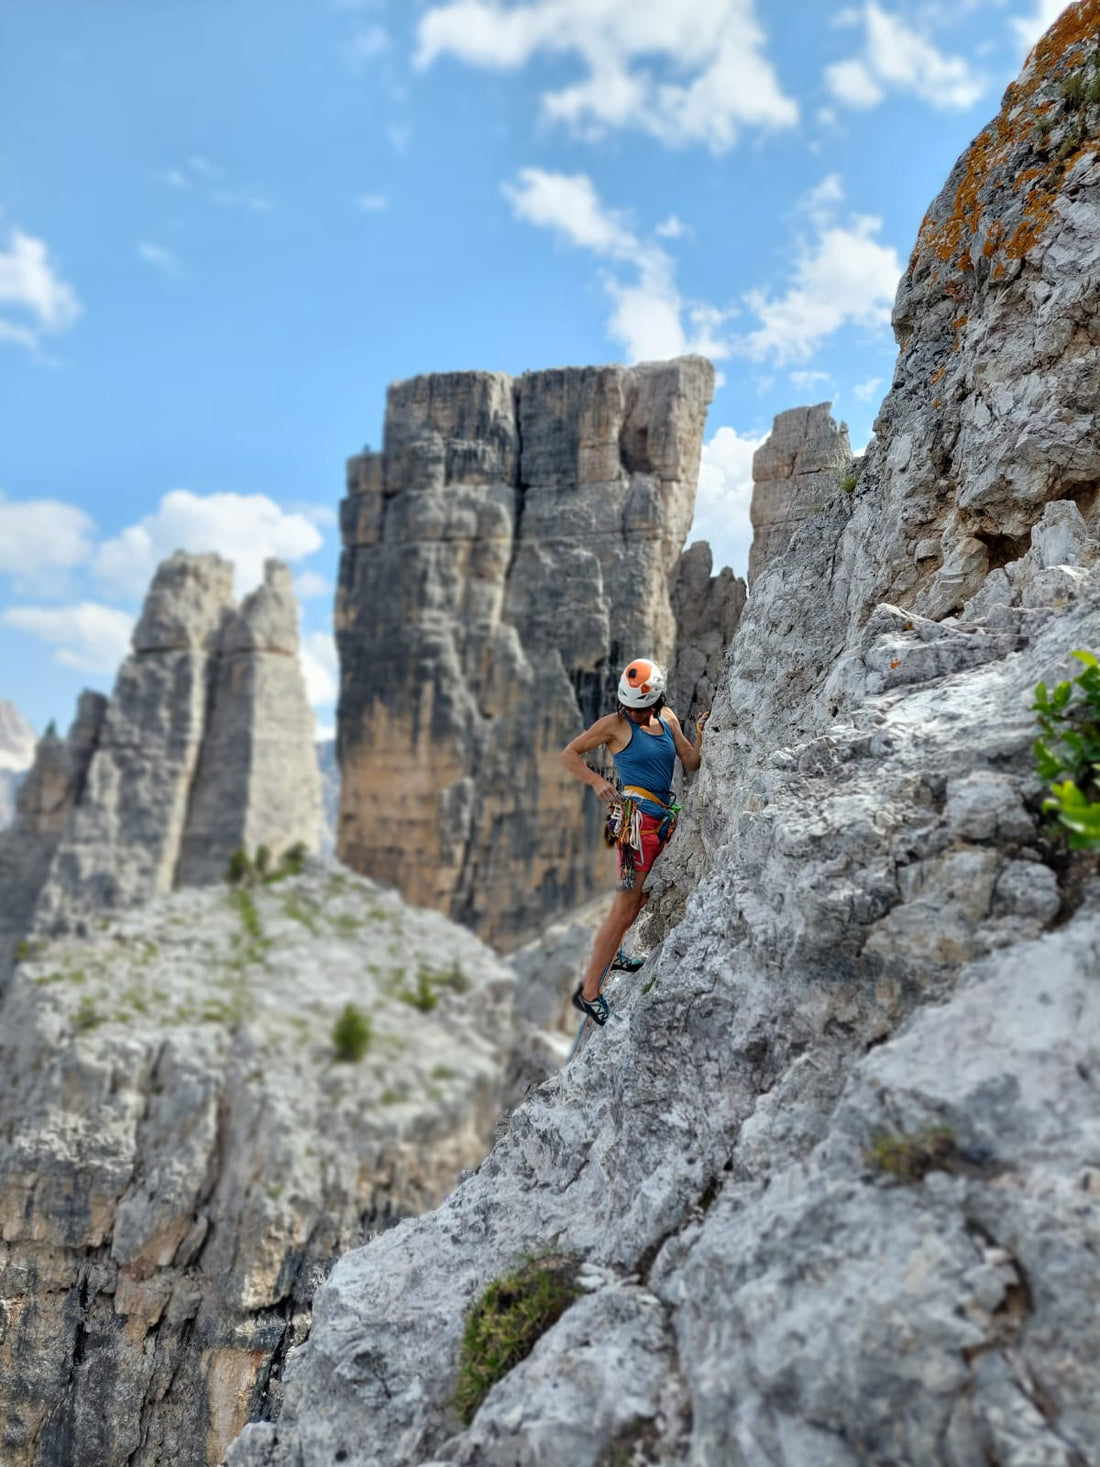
[
  {"x": 627, "y": 964},
  {"x": 594, "y": 1008}
]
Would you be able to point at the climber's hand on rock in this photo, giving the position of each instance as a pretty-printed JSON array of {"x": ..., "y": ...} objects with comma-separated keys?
[{"x": 701, "y": 721}]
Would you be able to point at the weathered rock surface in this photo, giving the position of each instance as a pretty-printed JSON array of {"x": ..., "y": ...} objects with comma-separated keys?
[
  {"x": 182, "y": 1154},
  {"x": 512, "y": 545},
  {"x": 794, "y": 475},
  {"x": 707, "y": 609},
  {"x": 206, "y": 746},
  {"x": 871, "y": 948},
  {"x": 46, "y": 799}
]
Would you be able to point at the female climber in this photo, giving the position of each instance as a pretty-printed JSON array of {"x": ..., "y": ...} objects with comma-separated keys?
[{"x": 644, "y": 738}]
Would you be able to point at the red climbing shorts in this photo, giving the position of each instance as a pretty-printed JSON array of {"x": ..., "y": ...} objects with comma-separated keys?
[{"x": 652, "y": 846}]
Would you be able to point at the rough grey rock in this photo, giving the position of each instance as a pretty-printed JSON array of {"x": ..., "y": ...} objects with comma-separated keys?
[
  {"x": 257, "y": 781},
  {"x": 182, "y": 1155},
  {"x": 511, "y": 546},
  {"x": 852, "y": 960},
  {"x": 707, "y": 610},
  {"x": 795, "y": 473},
  {"x": 46, "y": 799},
  {"x": 206, "y": 746}
]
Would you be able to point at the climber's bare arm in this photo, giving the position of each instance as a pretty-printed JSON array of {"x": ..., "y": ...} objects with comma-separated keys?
[
  {"x": 604, "y": 732},
  {"x": 691, "y": 755}
]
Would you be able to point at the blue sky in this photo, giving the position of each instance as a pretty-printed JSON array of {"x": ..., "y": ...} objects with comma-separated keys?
[{"x": 225, "y": 228}]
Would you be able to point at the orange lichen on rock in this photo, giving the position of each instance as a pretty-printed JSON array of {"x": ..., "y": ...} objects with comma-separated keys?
[
  {"x": 936, "y": 375},
  {"x": 991, "y": 153}
]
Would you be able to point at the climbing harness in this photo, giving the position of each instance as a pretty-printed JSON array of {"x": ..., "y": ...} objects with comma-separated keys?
[{"x": 624, "y": 828}]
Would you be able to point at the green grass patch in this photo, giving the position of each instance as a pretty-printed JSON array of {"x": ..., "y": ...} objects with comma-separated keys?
[
  {"x": 297, "y": 911},
  {"x": 443, "y": 1072},
  {"x": 909, "y": 1158},
  {"x": 87, "y": 1016},
  {"x": 507, "y": 1321},
  {"x": 351, "y": 1034}
]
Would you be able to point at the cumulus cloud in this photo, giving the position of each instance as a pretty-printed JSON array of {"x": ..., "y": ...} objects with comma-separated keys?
[
  {"x": 1028, "y": 28},
  {"x": 725, "y": 494},
  {"x": 693, "y": 72},
  {"x": 867, "y": 390},
  {"x": 895, "y": 57},
  {"x": 34, "y": 299},
  {"x": 39, "y": 537},
  {"x": 245, "y": 528},
  {"x": 649, "y": 317},
  {"x": 842, "y": 276},
  {"x": 319, "y": 668},
  {"x": 672, "y": 228},
  {"x": 88, "y": 636}
]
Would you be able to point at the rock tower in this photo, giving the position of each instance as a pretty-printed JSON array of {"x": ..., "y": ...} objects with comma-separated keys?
[
  {"x": 513, "y": 543},
  {"x": 206, "y": 745}
]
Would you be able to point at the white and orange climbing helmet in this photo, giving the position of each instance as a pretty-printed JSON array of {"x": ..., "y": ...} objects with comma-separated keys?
[{"x": 641, "y": 684}]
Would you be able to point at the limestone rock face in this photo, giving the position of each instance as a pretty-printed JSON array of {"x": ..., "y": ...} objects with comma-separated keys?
[
  {"x": 832, "y": 1164},
  {"x": 257, "y": 781},
  {"x": 707, "y": 609},
  {"x": 45, "y": 801},
  {"x": 513, "y": 544},
  {"x": 206, "y": 745},
  {"x": 794, "y": 474},
  {"x": 183, "y": 1153}
]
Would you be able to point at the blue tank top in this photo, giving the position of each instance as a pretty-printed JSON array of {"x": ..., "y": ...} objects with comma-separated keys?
[{"x": 648, "y": 760}]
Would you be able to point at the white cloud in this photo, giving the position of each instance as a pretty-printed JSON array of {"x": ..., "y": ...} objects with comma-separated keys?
[
  {"x": 808, "y": 379},
  {"x": 164, "y": 260},
  {"x": 725, "y": 494},
  {"x": 88, "y": 636},
  {"x": 648, "y": 312},
  {"x": 42, "y": 535},
  {"x": 866, "y": 391},
  {"x": 897, "y": 58},
  {"x": 245, "y": 528},
  {"x": 372, "y": 203},
  {"x": 211, "y": 179},
  {"x": 691, "y": 72},
  {"x": 672, "y": 228},
  {"x": 319, "y": 668},
  {"x": 844, "y": 276},
  {"x": 1028, "y": 28},
  {"x": 31, "y": 287},
  {"x": 310, "y": 583}
]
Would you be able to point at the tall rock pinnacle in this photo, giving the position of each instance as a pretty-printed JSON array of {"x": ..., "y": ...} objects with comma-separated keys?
[{"x": 510, "y": 547}]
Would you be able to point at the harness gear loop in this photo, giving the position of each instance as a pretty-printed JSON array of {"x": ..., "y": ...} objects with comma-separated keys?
[{"x": 624, "y": 829}]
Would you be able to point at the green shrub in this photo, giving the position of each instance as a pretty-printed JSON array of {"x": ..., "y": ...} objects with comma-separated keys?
[
  {"x": 424, "y": 996},
  {"x": 294, "y": 859},
  {"x": 507, "y": 1321},
  {"x": 849, "y": 482},
  {"x": 351, "y": 1034},
  {"x": 87, "y": 1016},
  {"x": 262, "y": 861},
  {"x": 245, "y": 904},
  {"x": 1067, "y": 752},
  {"x": 240, "y": 868},
  {"x": 909, "y": 1158}
]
